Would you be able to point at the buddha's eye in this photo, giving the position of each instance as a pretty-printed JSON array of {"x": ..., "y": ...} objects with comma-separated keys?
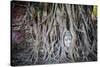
[
  {"x": 69, "y": 38},
  {"x": 66, "y": 39}
]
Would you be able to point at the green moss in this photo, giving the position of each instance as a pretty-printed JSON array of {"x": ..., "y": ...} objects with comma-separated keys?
[{"x": 94, "y": 11}]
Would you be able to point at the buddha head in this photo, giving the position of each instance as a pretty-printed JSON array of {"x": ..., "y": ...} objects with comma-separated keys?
[{"x": 67, "y": 39}]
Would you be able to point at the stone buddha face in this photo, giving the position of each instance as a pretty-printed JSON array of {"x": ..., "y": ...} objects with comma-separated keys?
[{"x": 67, "y": 39}]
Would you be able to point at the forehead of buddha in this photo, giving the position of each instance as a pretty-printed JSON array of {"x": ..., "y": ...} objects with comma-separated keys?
[{"x": 67, "y": 34}]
